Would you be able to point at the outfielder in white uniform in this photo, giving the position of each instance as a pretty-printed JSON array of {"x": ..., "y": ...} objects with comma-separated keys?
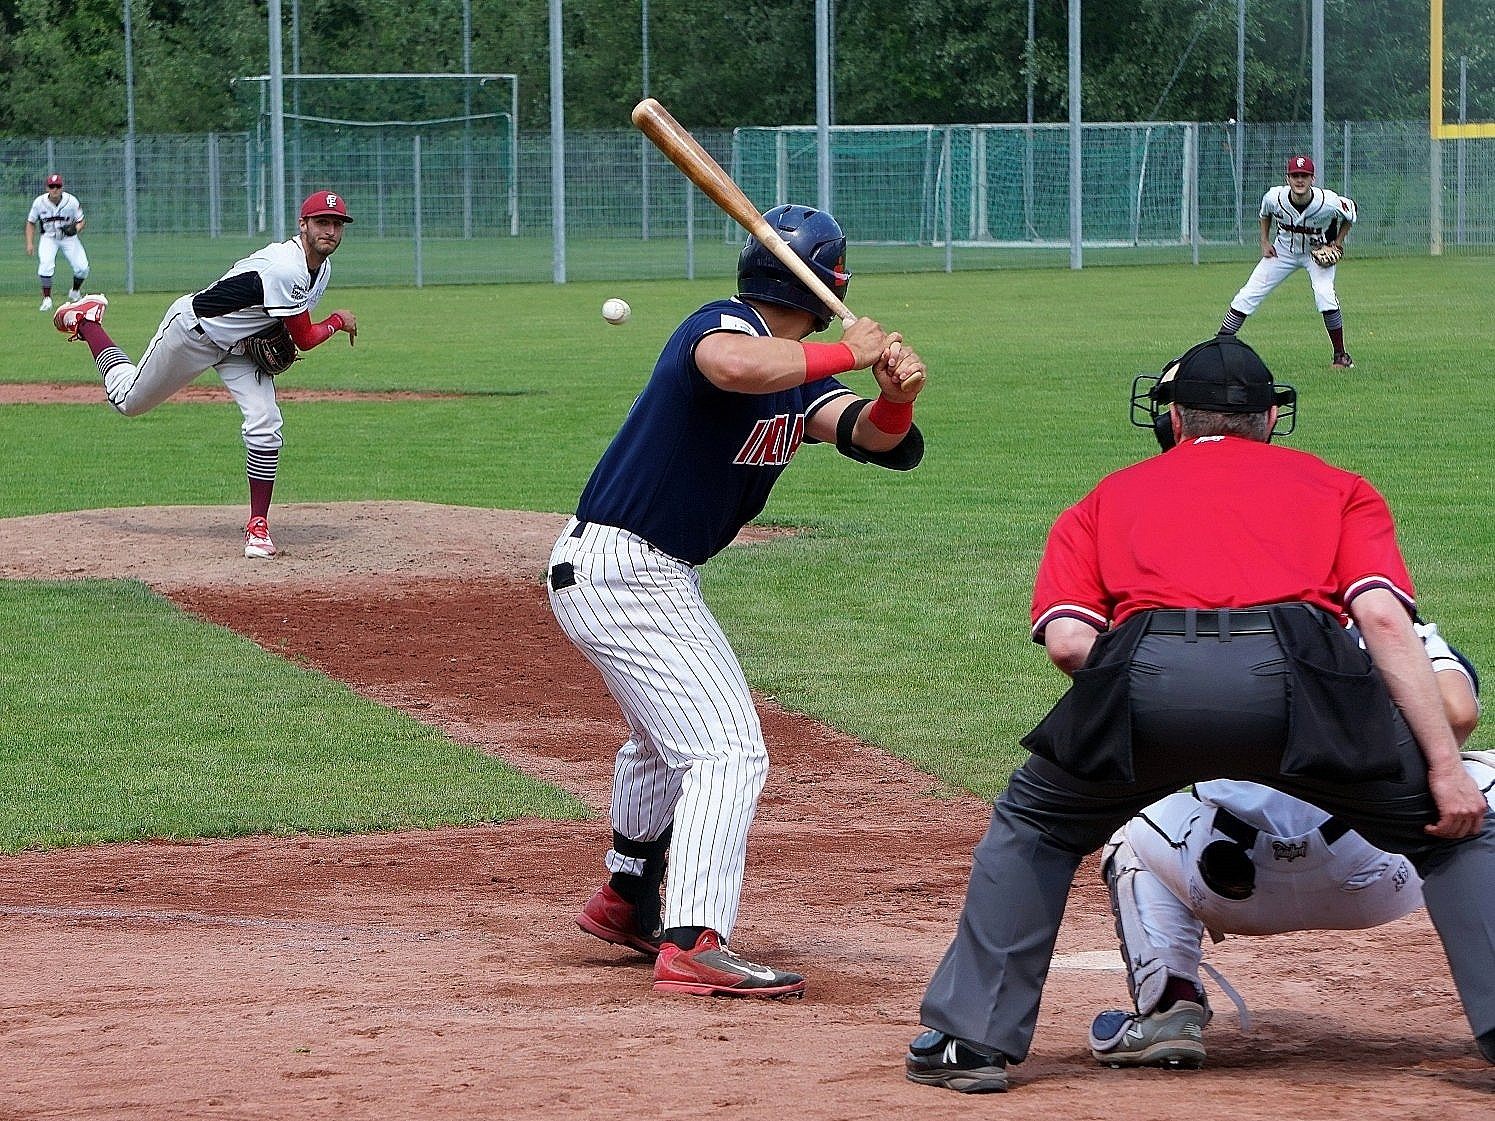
[
  {"x": 733, "y": 397},
  {"x": 52, "y": 227},
  {"x": 1242, "y": 858},
  {"x": 1306, "y": 218},
  {"x": 268, "y": 292}
]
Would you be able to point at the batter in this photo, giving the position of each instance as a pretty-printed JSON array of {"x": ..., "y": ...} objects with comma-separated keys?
[{"x": 732, "y": 398}]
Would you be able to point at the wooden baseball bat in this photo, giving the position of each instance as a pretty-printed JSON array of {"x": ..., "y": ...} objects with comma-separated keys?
[
  {"x": 685, "y": 152},
  {"x": 682, "y": 149}
]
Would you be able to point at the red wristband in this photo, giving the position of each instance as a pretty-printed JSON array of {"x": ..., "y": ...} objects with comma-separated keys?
[
  {"x": 893, "y": 417},
  {"x": 824, "y": 360}
]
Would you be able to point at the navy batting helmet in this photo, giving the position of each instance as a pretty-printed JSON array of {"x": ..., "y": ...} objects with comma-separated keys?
[{"x": 817, "y": 239}]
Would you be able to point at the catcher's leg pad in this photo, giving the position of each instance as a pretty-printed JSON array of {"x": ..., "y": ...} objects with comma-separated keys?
[{"x": 1160, "y": 937}]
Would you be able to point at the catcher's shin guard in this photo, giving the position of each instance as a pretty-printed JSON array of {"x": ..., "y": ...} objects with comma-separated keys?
[{"x": 1142, "y": 907}]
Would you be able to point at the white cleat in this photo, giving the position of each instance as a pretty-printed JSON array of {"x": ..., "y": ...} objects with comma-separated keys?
[
  {"x": 46, "y": 304},
  {"x": 257, "y": 541}
]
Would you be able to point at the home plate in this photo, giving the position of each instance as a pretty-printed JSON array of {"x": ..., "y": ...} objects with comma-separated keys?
[{"x": 1101, "y": 961}]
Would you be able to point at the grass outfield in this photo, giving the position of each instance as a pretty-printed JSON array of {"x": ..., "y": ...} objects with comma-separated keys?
[{"x": 901, "y": 615}]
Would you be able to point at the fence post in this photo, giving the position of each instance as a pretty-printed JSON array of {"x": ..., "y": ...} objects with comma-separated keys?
[
  {"x": 213, "y": 199},
  {"x": 690, "y": 230},
  {"x": 949, "y": 175},
  {"x": 419, "y": 278},
  {"x": 1435, "y": 202}
]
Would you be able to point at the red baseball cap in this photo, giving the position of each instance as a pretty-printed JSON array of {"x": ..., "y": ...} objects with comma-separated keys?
[
  {"x": 325, "y": 204},
  {"x": 54, "y": 180},
  {"x": 1299, "y": 164}
]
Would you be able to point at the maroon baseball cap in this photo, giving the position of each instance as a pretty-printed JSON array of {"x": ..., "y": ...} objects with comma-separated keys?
[
  {"x": 1299, "y": 164},
  {"x": 54, "y": 180},
  {"x": 325, "y": 204}
]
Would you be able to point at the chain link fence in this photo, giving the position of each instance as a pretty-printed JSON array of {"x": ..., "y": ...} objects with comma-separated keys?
[{"x": 472, "y": 207}]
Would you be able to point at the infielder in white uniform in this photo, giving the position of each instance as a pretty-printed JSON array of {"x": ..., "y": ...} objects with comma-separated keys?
[
  {"x": 56, "y": 217},
  {"x": 1241, "y": 858},
  {"x": 269, "y": 292},
  {"x": 1307, "y": 218}
]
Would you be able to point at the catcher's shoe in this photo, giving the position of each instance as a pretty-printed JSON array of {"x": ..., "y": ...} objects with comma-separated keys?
[
  {"x": 1174, "y": 1038},
  {"x": 710, "y": 969},
  {"x": 612, "y": 918},
  {"x": 937, "y": 1059},
  {"x": 1342, "y": 360},
  {"x": 257, "y": 541},
  {"x": 90, "y": 309},
  {"x": 46, "y": 304}
]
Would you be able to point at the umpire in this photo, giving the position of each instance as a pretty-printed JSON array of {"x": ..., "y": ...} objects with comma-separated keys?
[{"x": 1195, "y": 600}]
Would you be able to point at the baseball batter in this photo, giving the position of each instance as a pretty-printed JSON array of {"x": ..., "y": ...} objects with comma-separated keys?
[
  {"x": 733, "y": 396},
  {"x": 52, "y": 227},
  {"x": 1242, "y": 858},
  {"x": 227, "y": 327},
  {"x": 1311, "y": 226}
]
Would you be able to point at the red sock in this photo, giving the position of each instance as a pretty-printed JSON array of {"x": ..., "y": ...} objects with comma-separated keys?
[{"x": 95, "y": 336}]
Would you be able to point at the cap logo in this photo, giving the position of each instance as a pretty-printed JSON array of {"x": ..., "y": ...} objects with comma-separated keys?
[
  {"x": 331, "y": 199},
  {"x": 1298, "y": 162}
]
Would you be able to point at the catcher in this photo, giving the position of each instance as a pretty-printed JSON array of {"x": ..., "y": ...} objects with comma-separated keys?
[
  {"x": 248, "y": 326},
  {"x": 1312, "y": 224}
]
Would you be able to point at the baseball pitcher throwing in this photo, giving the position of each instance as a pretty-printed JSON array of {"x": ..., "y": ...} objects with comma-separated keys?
[
  {"x": 732, "y": 398},
  {"x": 247, "y": 326},
  {"x": 1312, "y": 224}
]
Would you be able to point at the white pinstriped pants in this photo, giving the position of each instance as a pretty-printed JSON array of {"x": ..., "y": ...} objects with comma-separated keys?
[{"x": 695, "y": 753}]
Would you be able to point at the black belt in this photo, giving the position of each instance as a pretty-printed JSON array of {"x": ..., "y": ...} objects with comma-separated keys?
[
  {"x": 579, "y": 529},
  {"x": 1245, "y": 835},
  {"x": 1215, "y": 622}
]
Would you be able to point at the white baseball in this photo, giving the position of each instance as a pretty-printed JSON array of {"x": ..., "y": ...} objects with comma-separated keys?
[{"x": 616, "y": 310}]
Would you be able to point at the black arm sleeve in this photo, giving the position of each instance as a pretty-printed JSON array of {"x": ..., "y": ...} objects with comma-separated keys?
[{"x": 905, "y": 457}]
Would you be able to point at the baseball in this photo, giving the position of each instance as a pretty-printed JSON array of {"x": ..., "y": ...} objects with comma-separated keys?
[{"x": 616, "y": 310}]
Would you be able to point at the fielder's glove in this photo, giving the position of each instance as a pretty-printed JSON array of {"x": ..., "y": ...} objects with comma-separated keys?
[
  {"x": 69, "y": 229},
  {"x": 272, "y": 351},
  {"x": 1326, "y": 255}
]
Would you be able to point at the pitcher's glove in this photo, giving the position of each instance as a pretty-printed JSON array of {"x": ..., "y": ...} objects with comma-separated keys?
[
  {"x": 68, "y": 229},
  {"x": 272, "y": 351},
  {"x": 1326, "y": 255}
]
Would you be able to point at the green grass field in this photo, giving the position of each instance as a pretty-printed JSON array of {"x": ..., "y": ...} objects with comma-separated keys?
[{"x": 900, "y": 615}]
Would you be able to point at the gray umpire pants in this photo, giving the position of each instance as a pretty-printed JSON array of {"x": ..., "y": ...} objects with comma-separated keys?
[{"x": 1201, "y": 709}]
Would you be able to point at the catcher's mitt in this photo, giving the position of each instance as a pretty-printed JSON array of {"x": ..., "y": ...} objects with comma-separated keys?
[
  {"x": 272, "y": 351},
  {"x": 1326, "y": 255},
  {"x": 68, "y": 229}
]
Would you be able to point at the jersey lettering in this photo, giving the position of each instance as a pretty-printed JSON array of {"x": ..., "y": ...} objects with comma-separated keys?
[{"x": 772, "y": 442}]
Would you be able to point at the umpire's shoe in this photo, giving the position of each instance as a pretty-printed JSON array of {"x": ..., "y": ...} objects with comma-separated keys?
[
  {"x": 1174, "y": 1038},
  {"x": 612, "y": 918},
  {"x": 937, "y": 1059},
  {"x": 710, "y": 969}
]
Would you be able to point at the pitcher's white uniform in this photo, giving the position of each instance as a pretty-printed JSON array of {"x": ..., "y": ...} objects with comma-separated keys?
[
  {"x": 205, "y": 331},
  {"x": 49, "y": 217},
  {"x": 1311, "y": 872}
]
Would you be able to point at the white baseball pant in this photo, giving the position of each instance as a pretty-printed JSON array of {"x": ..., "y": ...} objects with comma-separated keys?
[
  {"x": 695, "y": 753},
  {"x": 71, "y": 247},
  {"x": 1272, "y": 271},
  {"x": 175, "y": 356}
]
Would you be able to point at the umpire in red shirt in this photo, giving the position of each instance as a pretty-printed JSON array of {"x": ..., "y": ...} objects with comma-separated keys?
[{"x": 1196, "y": 599}]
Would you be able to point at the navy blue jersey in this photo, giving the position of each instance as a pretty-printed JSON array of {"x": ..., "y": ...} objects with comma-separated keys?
[{"x": 692, "y": 463}]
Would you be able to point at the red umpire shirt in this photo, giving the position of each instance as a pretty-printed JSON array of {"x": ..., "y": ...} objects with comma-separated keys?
[{"x": 1219, "y": 521}]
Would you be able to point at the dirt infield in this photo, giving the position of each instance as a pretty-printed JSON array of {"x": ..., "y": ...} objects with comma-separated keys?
[{"x": 439, "y": 974}]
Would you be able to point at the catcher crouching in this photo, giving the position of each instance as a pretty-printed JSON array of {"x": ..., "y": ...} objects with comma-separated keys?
[{"x": 248, "y": 326}]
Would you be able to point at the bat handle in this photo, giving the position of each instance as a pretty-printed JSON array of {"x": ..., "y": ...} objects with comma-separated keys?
[{"x": 847, "y": 319}]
